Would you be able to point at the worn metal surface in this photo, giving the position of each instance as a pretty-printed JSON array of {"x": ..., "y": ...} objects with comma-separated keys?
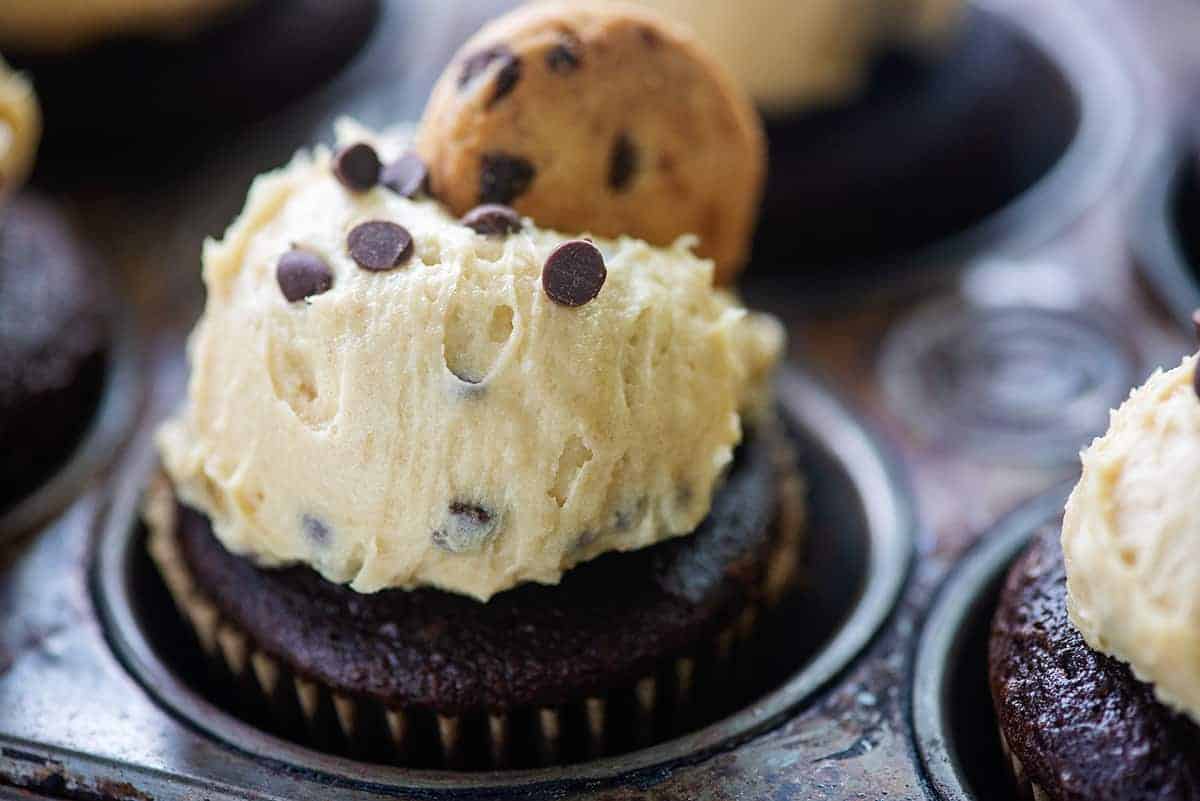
[{"x": 76, "y": 719}]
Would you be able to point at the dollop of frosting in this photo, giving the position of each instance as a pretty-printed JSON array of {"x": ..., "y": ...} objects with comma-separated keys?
[
  {"x": 446, "y": 423},
  {"x": 791, "y": 56},
  {"x": 1131, "y": 538},
  {"x": 20, "y": 130},
  {"x": 54, "y": 26}
]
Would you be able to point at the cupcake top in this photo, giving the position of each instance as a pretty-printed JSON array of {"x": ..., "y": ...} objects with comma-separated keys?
[
  {"x": 50, "y": 26},
  {"x": 20, "y": 130},
  {"x": 399, "y": 398},
  {"x": 1131, "y": 538},
  {"x": 791, "y": 56}
]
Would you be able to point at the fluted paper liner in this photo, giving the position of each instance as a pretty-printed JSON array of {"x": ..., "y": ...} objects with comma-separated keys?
[{"x": 654, "y": 708}]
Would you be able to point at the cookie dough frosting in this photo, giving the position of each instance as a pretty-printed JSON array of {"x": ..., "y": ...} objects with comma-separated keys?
[
  {"x": 447, "y": 423},
  {"x": 1131, "y": 538},
  {"x": 20, "y": 130},
  {"x": 809, "y": 52},
  {"x": 47, "y": 26}
]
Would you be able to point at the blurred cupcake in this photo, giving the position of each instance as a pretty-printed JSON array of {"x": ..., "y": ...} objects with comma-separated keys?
[
  {"x": 1095, "y": 649},
  {"x": 465, "y": 490},
  {"x": 53, "y": 335},
  {"x": 177, "y": 66}
]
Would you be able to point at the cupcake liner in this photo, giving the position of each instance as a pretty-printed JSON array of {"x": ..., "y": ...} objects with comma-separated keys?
[
  {"x": 654, "y": 708},
  {"x": 1025, "y": 787}
]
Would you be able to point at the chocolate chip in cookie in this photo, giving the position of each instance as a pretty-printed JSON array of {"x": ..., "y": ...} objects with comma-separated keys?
[
  {"x": 302, "y": 274},
  {"x": 379, "y": 245},
  {"x": 507, "y": 75},
  {"x": 357, "y": 166},
  {"x": 492, "y": 219},
  {"x": 566, "y": 56},
  {"x": 574, "y": 273},
  {"x": 504, "y": 177},
  {"x": 622, "y": 163}
]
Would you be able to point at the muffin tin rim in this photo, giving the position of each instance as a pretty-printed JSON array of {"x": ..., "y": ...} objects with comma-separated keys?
[
  {"x": 891, "y": 521},
  {"x": 97, "y": 448},
  {"x": 1157, "y": 251},
  {"x": 944, "y": 628}
]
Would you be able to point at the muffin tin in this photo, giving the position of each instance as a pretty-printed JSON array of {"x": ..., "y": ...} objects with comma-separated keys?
[
  {"x": 1167, "y": 238},
  {"x": 101, "y": 697}
]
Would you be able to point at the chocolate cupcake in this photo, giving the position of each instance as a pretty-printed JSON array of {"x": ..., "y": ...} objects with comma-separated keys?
[
  {"x": 53, "y": 332},
  {"x": 1093, "y": 656},
  {"x": 118, "y": 76},
  {"x": 463, "y": 490}
]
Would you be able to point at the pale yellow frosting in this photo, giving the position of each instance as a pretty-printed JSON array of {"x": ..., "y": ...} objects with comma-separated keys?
[
  {"x": 344, "y": 431},
  {"x": 47, "y": 26},
  {"x": 790, "y": 55},
  {"x": 1131, "y": 538},
  {"x": 20, "y": 130}
]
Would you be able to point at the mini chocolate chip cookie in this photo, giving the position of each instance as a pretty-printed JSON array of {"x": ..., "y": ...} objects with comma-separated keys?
[{"x": 600, "y": 118}]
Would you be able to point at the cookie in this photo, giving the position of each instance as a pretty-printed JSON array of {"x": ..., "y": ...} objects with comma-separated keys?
[
  {"x": 53, "y": 345},
  {"x": 1078, "y": 725},
  {"x": 599, "y": 118}
]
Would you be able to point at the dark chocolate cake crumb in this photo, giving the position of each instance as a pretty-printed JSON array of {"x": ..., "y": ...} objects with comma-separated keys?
[
  {"x": 574, "y": 273},
  {"x": 357, "y": 167},
  {"x": 379, "y": 245}
]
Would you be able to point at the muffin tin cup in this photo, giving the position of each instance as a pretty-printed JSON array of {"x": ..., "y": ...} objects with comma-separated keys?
[
  {"x": 105, "y": 434},
  {"x": 954, "y": 725},
  {"x": 1166, "y": 253},
  {"x": 854, "y": 489}
]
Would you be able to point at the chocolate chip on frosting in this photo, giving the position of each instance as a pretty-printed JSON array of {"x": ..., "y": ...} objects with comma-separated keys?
[
  {"x": 467, "y": 527},
  {"x": 406, "y": 176},
  {"x": 302, "y": 274},
  {"x": 506, "y": 76},
  {"x": 357, "y": 166},
  {"x": 574, "y": 273},
  {"x": 622, "y": 162},
  {"x": 379, "y": 245},
  {"x": 316, "y": 530},
  {"x": 564, "y": 57},
  {"x": 1196, "y": 376},
  {"x": 492, "y": 219},
  {"x": 503, "y": 177}
]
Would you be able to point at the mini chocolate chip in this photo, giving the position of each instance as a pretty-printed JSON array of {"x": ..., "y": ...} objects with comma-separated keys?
[
  {"x": 622, "y": 162},
  {"x": 315, "y": 529},
  {"x": 357, "y": 167},
  {"x": 492, "y": 219},
  {"x": 503, "y": 178},
  {"x": 406, "y": 176},
  {"x": 302, "y": 274},
  {"x": 650, "y": 37},
  {"x": 1196, "y": 322},
  {"x": 1196, "y": 382},
  {"x": 468, "y": 526},
  {"x": 574, "y": 273},
  {"x": 565, "y": 57},
  {"x": 379, "y": 245},
  {"x": 506, "y": 77}
]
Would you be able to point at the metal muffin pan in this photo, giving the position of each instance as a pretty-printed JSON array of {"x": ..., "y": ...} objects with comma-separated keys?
[
  {"x": 1165, "y": 246},
  {"x": 953, "y": 721},
  {"x": 859, "y": 548}
]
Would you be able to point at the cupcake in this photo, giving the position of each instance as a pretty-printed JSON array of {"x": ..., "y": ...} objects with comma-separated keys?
[
  {"x": 53, "y": 335},
  {"x": 463, "y": 490},
  {"x": 178, "y": 64},
  {"x": 1094, "y": 651}
]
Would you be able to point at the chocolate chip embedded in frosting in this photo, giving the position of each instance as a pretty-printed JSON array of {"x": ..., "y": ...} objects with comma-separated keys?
[
  {"x": 357, "y": 167},
  {"x": 622, "y": 162},
  {"x": 565, "y": 57},
  {"x": 302, "y": 274},
  {"x": 315, "y": 530},
  {"x": 407, "y": 176},
  {"x": 503, "y": 177},
  {"x": 574, "y": 273},
  {"x": 467, "y": 527},
  {"x": 379, "y": 245},
  {"x": 492, "y": 219},
  {"x": 506, "y": 76}
]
